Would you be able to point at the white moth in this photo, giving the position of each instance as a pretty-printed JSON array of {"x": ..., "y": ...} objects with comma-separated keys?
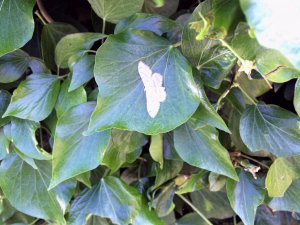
[{"x": 155, "y": 92}]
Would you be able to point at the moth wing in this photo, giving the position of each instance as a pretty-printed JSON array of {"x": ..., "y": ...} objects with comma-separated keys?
[
  {"x": 152, "y": 104},
  {"x": 161, "y": 94},
  {"x": 158, "y": 79},
  {"x": 160, "y": 90},
  {"x": 145, "y": 73}
]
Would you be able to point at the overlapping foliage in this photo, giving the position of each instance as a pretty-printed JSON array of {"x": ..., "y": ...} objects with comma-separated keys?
[{"x": 77, "y": 143}]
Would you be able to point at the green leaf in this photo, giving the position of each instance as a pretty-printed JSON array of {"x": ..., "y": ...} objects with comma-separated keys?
[
  {"x": 13, "y": 65},
  {"x": 31, "y": 196},
  {"x": 193, "y": 183},
  {"x": 212, "y": 204},
  {"x": 122, "y": 101},
  {"x": 4, "y": 102},
  {"x": 34, "y": 98},
  {"x": 110, "y": 198},
  {"x": 156, "y": 149},
  {"x": 245, "y": 196},
  {"x": 23, "y": 137},
  {"x": 67, "y": 100},
  {"x": 167, "y": 9},
  {"x": 70, "y": 155},
  {"x": 296, "y": 97},
  {"x": 270, "y": 128},
  {"x": 191, "y": 219},
  {"x": 115, "y": 10},
  {"x": 16, "y": 24},
  {"x": 74, "y": 44},
  {"x": 270, "y": 21},
  {"x": 51, "y": 34},
  {"x": 201, "y": 148},
  {"x": 216, "y": 181},
  {"x": 281, "y": 174},
  {"x": 82, "y": 71},
  {"x": 4, "y": 145},
  {"x": 290, "y": 200},
  {"x": 124, "y": 147},
  {"x": 155, "y": 23}
]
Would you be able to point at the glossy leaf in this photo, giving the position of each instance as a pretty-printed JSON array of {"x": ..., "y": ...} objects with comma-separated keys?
[
  {"x": 13, "y": 65},
  {"x": 155, "y": 23},
  {"x": 201, "y": 148},
  {"x": 51, "y": 34},
  {"x": 16, "y": 24},
  {"x": 115, "y": 10},
  {"x": 34, "y": 98},
  {"x": 74, "y": 44},
  {"x": 122, "y": 104},
  {"x": 245, "y": 196},
  {"x": 73, "y": 153},
  {"x": 33, "y": 198},
  {"x": 67, "y": 100},
  {"x": 281, "y": 174},
  {"x": 110, "y": 198},
  {"x": 271, "y": 128},
  {"x": 4, "y": 102},
  {"x": 124, "y": 147}
]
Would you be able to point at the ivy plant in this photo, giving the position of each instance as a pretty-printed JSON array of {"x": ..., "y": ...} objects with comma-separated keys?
[{"x": 158, "y": 112}]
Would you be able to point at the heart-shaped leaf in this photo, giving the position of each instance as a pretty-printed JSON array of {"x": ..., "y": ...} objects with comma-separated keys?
[{"x": 122, "y": 99}]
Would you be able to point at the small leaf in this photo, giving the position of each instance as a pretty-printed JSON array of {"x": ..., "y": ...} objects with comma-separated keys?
[
  {"x": 4, "y": 102},
  {"x": 270, "y": 128},
  {"x": 156, "y": 149},
  {"x": 192, "y": 184},
  {"x": 70, "y": 145},
  {"x": 167, "y": 9},
  {"x": 115, "y": 10},
  {"x": 122, "y": 100},
  {"x": 245, "y": 196},
  {"x": 16, "y": 24},
  {"x": 281, "y": 174},
  {"x": 13, "y": 65},
  {"x": 201, "y": 148},
  {"x": 141, "y": 21},
  {"x": 74, "y": 44},
  {"x": 34, "y": 98}
]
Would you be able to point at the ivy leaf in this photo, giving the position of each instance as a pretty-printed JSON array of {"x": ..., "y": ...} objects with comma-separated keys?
[
  {"x": 67, "y": 100},
  {"x": 124, "y": 147},
  {"x": 141, "y": 21},
  {"x": 281, "y": 174},
  {"x": 270, "y": 128},
  {"x": 4, "y": 102},
  {"x": 290, "y": 200},
  {"x": 168, "y": 8},
  {"x": 201, "y": 148},
  {"x": 51, "y": 34},
  {"x": 115, "y": 10},
  {"x": 4, "y": 144},
  {"x": 16, "y": 24},
  {"x": 245, "y": 196},
  {"x": 23, "y": 137},
  {"x": 74, "y": 44},
  {"x": 110, "y": 198},
  {"x": 13, "y": 65},
  {"x": 269, "y": 21},
  {"x": 156, "y": 149},
  {"x": 122, "y": 101},
  {"x": 296, "y": 97},
  {"x": 82, "y": 71},
  {"x": 32, "y": 196},
  {"x": 70, "y": 145},
  {"x": 34, "y": 98}
]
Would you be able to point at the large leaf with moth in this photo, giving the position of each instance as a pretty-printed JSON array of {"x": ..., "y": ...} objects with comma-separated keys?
[
  {"x": 271, "y": 128},
  {"x": 122, "y": 101},
  {"x": 115, "y": 10},
  {"x": 245, "y": 196},
  {"x": 281, "y": 174},
  {"x": 34, "y": 98},
  {"x": 26, "y": 189},
  {"x": 13, "y": 65},
  {"x": 269, "y": 20},
  {"x": 73, "y": 153},
  {"x": 110, "y": 198},
  {"x": 16, "y": 24},
  {"x": 201, "y": 148}
]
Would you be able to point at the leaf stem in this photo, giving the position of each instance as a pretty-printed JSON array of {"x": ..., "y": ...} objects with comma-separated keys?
[
  {"x": 40, "y": 17},
  {"x": 195, "y": 209},
  {"x": 44, "y": 12},
  {"x": 225, "y": 44},
  {"x": 254, "y": 101},
  {"x": 254, "y": 160},
  {"x": 234, "y": 220},
  {"x": 103, "y": 29},
  {"x": 63, "y": 76},
  {"x": 177, "y": 44}
]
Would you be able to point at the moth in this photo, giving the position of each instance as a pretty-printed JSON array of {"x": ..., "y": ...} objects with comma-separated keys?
[{"x": 155, "y": 92}]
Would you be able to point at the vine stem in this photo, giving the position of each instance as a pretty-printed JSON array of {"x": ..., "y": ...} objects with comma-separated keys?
[
  {"x": 245, "y": 93},
  {"x": 40, "y": 17},
  {"x": 194, "y": 208},
  {"x": 44, "y": 12},
  {"x": 234, "y": 220},
  {"x": 254, "y": 160},
  {"x": 103, "y": 28}
]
